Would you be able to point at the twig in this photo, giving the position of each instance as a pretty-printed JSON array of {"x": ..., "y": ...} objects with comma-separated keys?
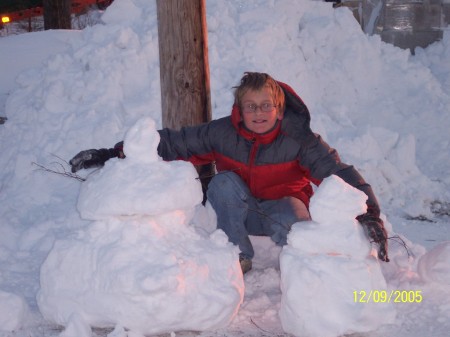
[
  {"x": 399, "y": 240},
  {"x": 63, "y": 173},
  {"x": 63, "y": 160},
  {"x": 269, "y": 333},
  {"x": 253, "y": 322}
]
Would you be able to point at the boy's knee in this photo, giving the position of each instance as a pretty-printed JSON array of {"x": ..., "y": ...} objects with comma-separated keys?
[
  {"x": 217, "y": 183},
  {"x": 226, "y": 184}
]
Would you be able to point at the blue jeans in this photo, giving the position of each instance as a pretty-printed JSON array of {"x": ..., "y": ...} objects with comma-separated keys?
[{"x": 239, "y": 214}]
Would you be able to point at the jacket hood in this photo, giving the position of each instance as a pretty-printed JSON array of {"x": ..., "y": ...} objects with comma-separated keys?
[{"x": 296, "y": 119}]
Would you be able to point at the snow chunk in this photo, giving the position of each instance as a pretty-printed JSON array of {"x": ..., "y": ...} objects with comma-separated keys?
[
  {"x": 130, "y": 270},
  {"x": 325, "y": 263},
  {"x": 13, "y": 311},
  {"x": 141, "y": 183},
  {"x": 336, "y": 201},
  {"x": 76, "y": 327},
  {"x": 434, "y": 265},
  {"x": 141, "y": 142}
]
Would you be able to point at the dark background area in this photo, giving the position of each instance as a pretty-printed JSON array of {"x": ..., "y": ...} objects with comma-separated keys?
[{"x": 16, "y": 5}]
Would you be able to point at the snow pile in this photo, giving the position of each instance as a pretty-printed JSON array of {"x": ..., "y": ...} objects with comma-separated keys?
[
  {"x": 140, "y": 265},
  {"x": 325, "y": 262}
]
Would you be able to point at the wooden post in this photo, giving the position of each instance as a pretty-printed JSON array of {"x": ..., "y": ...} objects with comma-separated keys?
[{"x": 184, "y": 69}]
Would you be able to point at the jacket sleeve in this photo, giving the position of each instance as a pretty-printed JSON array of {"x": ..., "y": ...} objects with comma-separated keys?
[
  {"x": 189, "y": 143},
  {"x": 323, "y": 161}
]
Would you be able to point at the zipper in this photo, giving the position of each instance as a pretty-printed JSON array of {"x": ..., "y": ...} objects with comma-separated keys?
[{"x": 253, "y": 150}]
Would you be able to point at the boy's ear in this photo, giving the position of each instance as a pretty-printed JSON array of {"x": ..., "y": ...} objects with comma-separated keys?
[{"x": 280, "y": 114}]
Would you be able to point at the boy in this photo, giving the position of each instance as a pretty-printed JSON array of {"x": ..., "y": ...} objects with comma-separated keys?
[{"x": 266, "y": 156}]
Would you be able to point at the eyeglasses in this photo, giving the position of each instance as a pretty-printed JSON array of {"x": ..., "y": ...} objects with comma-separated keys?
[{"x": 265, "y": 107}]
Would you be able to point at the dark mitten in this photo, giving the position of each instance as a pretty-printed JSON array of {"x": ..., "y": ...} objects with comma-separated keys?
[
  {"x": 374, "y": 227},
  {"x": 93, "y": 158},
  {"x": 119, "y": 147}
]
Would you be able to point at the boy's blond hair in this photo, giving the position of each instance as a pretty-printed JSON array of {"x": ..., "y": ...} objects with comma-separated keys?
[{"x": 257, "y": 81}]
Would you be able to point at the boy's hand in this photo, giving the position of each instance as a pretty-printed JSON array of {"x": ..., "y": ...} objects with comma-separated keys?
[
  {"x": 374, "y": 227},
  {"x": 92, "y": 158}
]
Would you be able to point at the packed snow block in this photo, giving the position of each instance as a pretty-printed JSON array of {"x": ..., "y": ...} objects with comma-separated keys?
[
  {"x": 124, "y": 189},
  {"x": 142, "y": 183},
  {"x": 326, "y": 263},
  {"x": 141, "y": 264},
  {"x": 148, "y": 275},
  {"x": 14, "y": 310}
]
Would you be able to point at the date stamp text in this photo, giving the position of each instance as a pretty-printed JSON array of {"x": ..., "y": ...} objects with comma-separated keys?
[{"x": 384, "y": 296}]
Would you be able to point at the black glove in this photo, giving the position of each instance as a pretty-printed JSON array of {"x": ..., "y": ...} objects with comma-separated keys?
[
  {"x": 374, "y": 227},
  {"x": 93, "y": 158}
]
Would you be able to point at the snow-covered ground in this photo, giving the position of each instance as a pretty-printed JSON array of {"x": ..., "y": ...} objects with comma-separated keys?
[{"x": 386, "y": 112}]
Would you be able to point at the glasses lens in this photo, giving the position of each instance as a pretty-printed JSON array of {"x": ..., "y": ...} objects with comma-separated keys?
[
  {"x": 250, "y": 107},
  {"x": 267, "y": 107}
]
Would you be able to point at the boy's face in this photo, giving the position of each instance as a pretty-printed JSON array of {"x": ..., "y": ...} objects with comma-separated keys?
[{"x": 266, "y": 114}]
